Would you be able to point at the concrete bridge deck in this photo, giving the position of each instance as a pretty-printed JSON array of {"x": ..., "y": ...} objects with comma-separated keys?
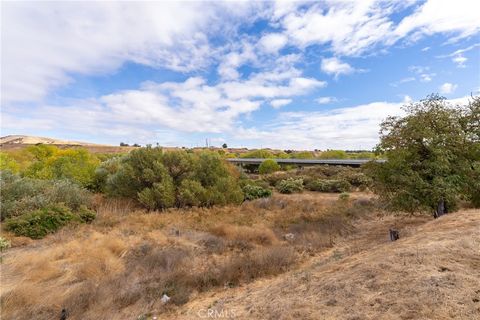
[{"x": 305, "y": 162}]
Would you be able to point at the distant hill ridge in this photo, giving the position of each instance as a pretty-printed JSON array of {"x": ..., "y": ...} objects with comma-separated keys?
[{"x": 23, "y": 139}]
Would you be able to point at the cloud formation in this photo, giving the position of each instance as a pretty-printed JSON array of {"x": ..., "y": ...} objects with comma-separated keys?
[{"x": 230, "y": 59}]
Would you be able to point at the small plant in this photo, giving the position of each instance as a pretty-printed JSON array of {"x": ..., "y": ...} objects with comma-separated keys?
[
  {"x": 344, "y": 196},
  {"x": 4, "y": 244},
  {"x": 86, "y": 215},
  {"x": 252, "y": 192},
  {"x": 290, "y": 185}
]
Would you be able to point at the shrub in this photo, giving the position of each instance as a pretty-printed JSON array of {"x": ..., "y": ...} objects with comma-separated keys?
[
  {"x": 50, "y": 162},
  {"x": 290, "y": 185},
  {"x": 328, "y": 185},
  {"x": 356, "y": 179},
  {"x": 252, "y": 192},
  {"x": 160, "y": 180},
  {"x": 8, "y": 163},
  {"x": 159, "y": 196},
  {"x": 268, "y": 166},
  {"x": 68, "y": 193},
  {"x": 191, "y": 193},
  {"x": 86, "y": 215},
  {"x": 37, "y": 224},
  {"x": 302, "y": 155},
  {"x": 333, "y": 154},
  {"x": 22, "y": 195},
  {"x": 344, "y": 196},
  {"x": 4, "y": 244},
  {"x": 261, "y": 153},
  {"x": 275, "y": 178}
]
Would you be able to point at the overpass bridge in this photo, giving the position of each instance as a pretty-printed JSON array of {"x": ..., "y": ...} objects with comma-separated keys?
[{"x": 304, "y": 162}]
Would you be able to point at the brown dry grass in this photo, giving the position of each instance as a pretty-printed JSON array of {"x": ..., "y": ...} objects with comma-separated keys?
[
  {"x": 432, "y": 272},
  {"x": 120, "y": 266}
]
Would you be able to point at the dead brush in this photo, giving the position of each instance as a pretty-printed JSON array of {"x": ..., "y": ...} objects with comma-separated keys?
[
  {"x": 258, "y": 235},
  {"x": 257, "y": 263},
  {"x": 244, "y": 268}
]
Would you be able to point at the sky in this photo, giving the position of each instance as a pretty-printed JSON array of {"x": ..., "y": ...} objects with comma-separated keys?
[{"x": 288, "y": 75}]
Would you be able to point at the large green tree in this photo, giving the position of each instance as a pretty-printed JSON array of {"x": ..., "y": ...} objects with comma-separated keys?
[
  {"x": 433, "y": 156},
  {"x": 160, "y": 180}
]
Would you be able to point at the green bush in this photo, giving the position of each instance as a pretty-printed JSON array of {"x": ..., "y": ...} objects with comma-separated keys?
[
  {"x": 333, "y": 154},
  {"x": 160, "y": 180},
  {"x": 328, "y": 185},
  {"x": 261, "y": 153},
  {"x": 252, "y": 192},
  {"x": 86, "y": 215},
  {"x": 4, "y": 244},
  {"x": 22, "y": 195},
  {"x": 268, "y": 166},
  {"x": 37, "y": 224},
  {"x": 356, "y": 179},
  {"x": 50, "y": 162},
  {"x": 344, "y": 196},
  {"x": 8, "y": 163},
  {"x": 302, "y": 155},
  {"x": 290, "y": 185}
]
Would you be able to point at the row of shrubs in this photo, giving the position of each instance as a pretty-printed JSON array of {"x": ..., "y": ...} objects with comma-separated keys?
[
  {"x": 51, "y": 190},
  {"x": 321, "y": 178}
]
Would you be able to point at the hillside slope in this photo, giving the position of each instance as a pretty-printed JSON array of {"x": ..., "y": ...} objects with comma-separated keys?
[
  {"x": 431, "y": 273},
  {"x": 22, "y": 139}
]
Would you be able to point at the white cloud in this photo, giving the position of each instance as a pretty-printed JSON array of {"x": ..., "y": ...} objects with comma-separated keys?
[
  {"x": 353, "y": 127},
  {"x": 459, "y": 17},
  {"x": 345, "y": 128},
  {"x": 352, "y": 28},
  {"x": 459, "y": 60},
  {"x": 401, "y": 81},
  {"x": 326, "y": 100},
  {"x": 336, "y": 66},
  {"x": 188, "y": 106},
  {"x": 458, "y": 56},
  {"x": 44, "y": 44},
  {"x": 273, "y": 42},
  {"x": 278, "y": 103},
  {"x": 231, "y": 61},
  {"x": 423, "y": 72},
  {"x": 447, "y": 88}
]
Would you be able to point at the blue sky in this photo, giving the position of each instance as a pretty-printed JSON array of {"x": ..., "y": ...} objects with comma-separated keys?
[{"x": 290, "y": 75}]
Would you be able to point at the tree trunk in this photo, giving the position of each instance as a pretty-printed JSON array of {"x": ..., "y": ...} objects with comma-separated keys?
[{"x": 441, "y": 209}]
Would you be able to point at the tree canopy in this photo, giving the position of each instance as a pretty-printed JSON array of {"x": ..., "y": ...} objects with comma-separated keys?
[
  {"x": 433, "y": 156},
  {"x": 161, "y": 180}
]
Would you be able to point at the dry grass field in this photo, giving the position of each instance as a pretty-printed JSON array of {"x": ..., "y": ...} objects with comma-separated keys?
[{"x": 302, "y": 256}]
